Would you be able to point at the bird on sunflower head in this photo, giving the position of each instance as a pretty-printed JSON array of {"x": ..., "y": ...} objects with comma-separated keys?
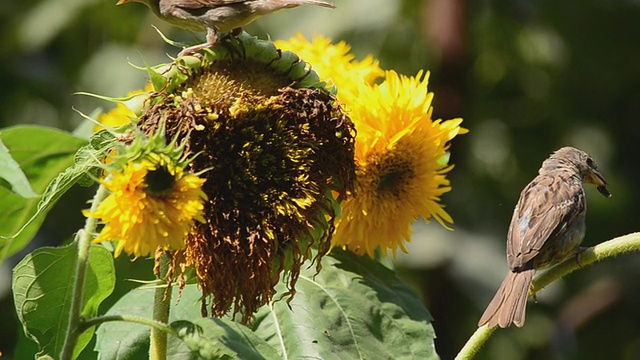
[
  {"x": 216, "y": 16},
  {"x": 547, "y": 227}
]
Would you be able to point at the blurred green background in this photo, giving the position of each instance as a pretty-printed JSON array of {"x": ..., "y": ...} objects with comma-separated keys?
[{"x": 527, "y": 76}]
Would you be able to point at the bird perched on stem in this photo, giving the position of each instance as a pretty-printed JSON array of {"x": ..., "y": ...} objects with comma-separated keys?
[
  {"x": 547, "y": 227},
  {"x": 217, "y": 15}
]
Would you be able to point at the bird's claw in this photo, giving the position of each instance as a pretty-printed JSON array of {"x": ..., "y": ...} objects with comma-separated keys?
[{"x": 578, "y": 255}]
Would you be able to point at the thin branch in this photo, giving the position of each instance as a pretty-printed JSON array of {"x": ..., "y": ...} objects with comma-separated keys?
[
  {"x": 127, "y": 318},
  {"x": 620, "y": 245}
]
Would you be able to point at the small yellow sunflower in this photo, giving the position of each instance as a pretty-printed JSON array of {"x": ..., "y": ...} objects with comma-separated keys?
[
  {"x": 399, "y": 150},
  {"x": 151, "y": 205}
]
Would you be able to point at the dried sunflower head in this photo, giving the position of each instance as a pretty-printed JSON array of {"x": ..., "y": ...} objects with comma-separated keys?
[{"x": 276, "y": 151}]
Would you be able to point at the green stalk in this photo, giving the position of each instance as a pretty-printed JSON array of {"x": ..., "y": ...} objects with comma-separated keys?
[
  {"x": 475, "y": 342},
  {"x": 84, "y": 245},
  {"x": 126, "y": 318},
  {"x": 161, "y": 309}
]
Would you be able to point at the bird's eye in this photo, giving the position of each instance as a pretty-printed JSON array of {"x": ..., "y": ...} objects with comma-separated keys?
[{"x": 590, "y": 162}]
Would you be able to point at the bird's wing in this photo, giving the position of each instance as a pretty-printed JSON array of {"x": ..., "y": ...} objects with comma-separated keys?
[
  {"x": 202, "y": 4},
  {"x": 547, "y": 206}
]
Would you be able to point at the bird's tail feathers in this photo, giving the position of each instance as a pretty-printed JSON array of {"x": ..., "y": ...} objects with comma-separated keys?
[{"x": 510, "y": 302}]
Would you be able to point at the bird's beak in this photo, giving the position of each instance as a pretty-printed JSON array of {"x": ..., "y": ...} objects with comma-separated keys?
[
  {"x": 122, "y": 2},
  {"x": 601, "y": 184}
]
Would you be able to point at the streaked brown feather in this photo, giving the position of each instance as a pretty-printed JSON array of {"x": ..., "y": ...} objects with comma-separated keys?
[{"x": 546, "y": 206}]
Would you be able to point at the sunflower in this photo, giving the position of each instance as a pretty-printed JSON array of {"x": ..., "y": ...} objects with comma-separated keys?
[
  {"x": 401, "y": 176},
  {"x": 153, "y": 204}
]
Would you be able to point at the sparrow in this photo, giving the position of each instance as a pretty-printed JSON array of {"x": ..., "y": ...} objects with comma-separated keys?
[
  {"x": 547, "y": 227},
  {"x": 217, "y": 15}
]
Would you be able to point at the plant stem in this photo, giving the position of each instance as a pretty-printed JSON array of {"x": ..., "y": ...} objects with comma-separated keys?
[
  {"x": 475, "y": 342},
  {"x": 607, "y": 249},
  {"x": 128, "y": 318},
  {"x": 161, "y": 308},
  {"x": 620, "y": 245},
  {"x": 84, "y": 245}
]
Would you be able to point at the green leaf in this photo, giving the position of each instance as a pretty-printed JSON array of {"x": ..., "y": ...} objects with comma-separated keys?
[
  {"x": 120, "y": 340},
  {"x": 43, "y": 288},
  {"x": 11, "y": 172},
  {"x": 86, "y": 169},
  {"x": 355, "y": 308},
  {"x": 42, "y": 154}
]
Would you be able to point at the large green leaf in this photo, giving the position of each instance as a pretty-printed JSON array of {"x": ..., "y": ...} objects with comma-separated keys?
[
  {"x": 42, "y": 154},
  {"x": 354, "y": 309},
  {"x": 42, "y": 291}
]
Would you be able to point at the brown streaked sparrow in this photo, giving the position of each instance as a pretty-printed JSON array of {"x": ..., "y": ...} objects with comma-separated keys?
[{"x": 547, "y": 227}]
